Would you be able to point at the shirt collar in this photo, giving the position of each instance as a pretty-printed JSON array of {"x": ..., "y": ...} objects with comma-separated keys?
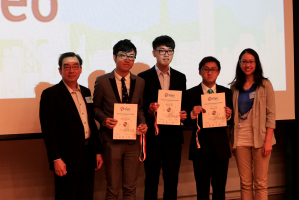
[
  {"x": 70, "y": 89},
  {"x": 119, "y": 77},
  {"x": 205, "y": 88},
  {"x": 159, "y": 71}
]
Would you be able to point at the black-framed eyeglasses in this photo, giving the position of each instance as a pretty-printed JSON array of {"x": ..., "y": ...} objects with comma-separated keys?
[
  {"x": 124, "y": 57},
  {"x": 207, "y": 70},
  {"x": 68, "y": 68},
  {"x": 163, "y": 52},
  {"x": 244, "y": 62}
]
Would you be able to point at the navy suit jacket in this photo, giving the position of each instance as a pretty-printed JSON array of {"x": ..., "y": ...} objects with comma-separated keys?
[
  {"x": 62, "y": 127},
  {"x": 210, "y": 139},
  {"x": 168, "y": 133}
]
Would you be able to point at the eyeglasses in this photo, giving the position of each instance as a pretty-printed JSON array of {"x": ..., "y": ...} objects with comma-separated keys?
[
  {"x": 68, "y": 68},
  {"x": 207, "y": 70},
  {"x": 163, "y": 52},
  {"x": 244, "y": 62},
  {"x": 124, "y": 57}
]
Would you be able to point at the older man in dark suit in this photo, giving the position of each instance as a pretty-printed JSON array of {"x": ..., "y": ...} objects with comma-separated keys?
[
  {"x": 70, "y": 132},
  {"x": 120, "y": 156}
]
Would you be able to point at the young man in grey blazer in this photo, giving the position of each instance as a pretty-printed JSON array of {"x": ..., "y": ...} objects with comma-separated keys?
[{"x": 120, "y": 156}]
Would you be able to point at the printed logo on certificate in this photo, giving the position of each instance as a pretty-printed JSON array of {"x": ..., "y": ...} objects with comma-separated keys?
[
  {"x": 215, "y": 115},
  {"x": 170, "y": 106},
  {"x": 126, "y": 115}
]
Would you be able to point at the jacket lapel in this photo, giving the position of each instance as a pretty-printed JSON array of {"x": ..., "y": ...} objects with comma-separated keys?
[
  {"x": 114, "y": 86},
  {"x": 172, "y": 79},
  {"x": 199, "y": 93},
  {"x": 132, "y": 88},
  {"x": 68, "y": 99},
  {"x": 155, "y": 79}
]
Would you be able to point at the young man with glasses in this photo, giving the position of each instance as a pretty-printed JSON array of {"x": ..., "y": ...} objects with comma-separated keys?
[
  {"x": 210, "y": 161},
  {"x": 70, "y": 133},
  {"x": 121, "y": 157},
  {"x": 163, "y": 149}
]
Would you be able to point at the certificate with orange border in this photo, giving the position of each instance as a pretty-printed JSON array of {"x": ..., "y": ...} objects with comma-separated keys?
[
  {"x": 215, "y": 115},
  {"x": 126, "y": 115},
  {"x": 170, "y": 106}
]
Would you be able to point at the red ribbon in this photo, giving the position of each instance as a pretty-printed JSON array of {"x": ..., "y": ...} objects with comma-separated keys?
[
  {"x": 197, "y": 142},
  {"x": 155, "y": 124},
  {"x": 142, "y": 156}
]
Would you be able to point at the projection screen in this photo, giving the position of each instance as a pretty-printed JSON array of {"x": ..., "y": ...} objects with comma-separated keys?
[{"x": 35, "y": 32}]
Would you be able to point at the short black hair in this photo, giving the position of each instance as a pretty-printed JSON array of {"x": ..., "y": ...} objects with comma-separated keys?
[
  {"x": 163, "y": 40},
  {"x": 124, "y": 45},
  {"x": 209, "y": 59},
  {"x": 69, "y": 54}
]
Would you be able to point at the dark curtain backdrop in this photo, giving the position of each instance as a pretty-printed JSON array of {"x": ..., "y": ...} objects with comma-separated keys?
[{"x": 292, "y": 142}]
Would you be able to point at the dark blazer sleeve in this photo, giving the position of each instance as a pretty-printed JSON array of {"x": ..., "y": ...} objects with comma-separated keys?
[
  {"x": 98, "y": 101},
  {"x": 47, "y": 114},
  {"x": 92, "y": 125},
  {"x": 140, "y": 116},
  {"x": 229, "y": 103}
]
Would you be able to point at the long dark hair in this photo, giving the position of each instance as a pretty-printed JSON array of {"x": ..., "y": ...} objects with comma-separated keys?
[{"x": 239, "y": 79}]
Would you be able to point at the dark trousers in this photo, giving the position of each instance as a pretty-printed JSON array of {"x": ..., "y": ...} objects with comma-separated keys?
[
  {"x": 77, "y": 185},
  {"x": 167, "y": 157},
  {"x": 213, "y": 171},
  {"x": 122, "y": 163}
]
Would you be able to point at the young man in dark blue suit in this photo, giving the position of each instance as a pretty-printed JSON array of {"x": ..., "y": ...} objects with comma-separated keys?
[
  {"x": 70, "y": 132},
  {"x": 163, "y": 150},
  {"x": 210, "y": 161}
]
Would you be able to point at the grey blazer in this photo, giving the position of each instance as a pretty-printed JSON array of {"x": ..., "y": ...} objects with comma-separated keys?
[
  {"x": 106, "y": 94},
  {"x": 263, "y": 114}
]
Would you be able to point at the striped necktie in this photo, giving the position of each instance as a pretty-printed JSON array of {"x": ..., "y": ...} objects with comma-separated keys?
[{"x": 125, "y": 96}]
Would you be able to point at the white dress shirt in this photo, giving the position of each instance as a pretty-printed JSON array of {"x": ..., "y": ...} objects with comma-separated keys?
[
  {"x": 164, "y": 78},
  {"x": 205, "y": 91},
  {"x": 81, "y": 107},
  {"x": 119, "y": 84}
]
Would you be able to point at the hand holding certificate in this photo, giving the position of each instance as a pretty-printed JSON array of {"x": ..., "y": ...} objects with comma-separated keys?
[
  {"x": 126, "y": 115},
  {"x": 215, "y": 115},
  {"x": 170, "y": 107}
]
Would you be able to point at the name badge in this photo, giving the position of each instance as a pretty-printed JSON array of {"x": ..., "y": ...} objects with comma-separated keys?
[
  {"x": 88, "y": 100},
  {"x": 251, "y": 95}
]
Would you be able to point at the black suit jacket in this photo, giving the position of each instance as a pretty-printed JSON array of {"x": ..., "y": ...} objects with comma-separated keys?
[
  {"x": 62, "y": 127},
  {"x": 168, "y": 133},
  {"x": 210, "y": 139}
]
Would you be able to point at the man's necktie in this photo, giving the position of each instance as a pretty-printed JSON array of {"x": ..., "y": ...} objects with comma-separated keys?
[
  {"x": 125, "y": 96},
  {"x": 210, "y": 91}
]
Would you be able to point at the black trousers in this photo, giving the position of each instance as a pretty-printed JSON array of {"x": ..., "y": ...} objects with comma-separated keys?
[
  {"x": 213, "y": 171},
  {"x": 167, "y": 157},
  {"x": 77, "y": 185}
]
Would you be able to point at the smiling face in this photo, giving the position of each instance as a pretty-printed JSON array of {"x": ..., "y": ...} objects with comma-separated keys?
[
  {"x": 248, "y": 64},
  {"x": 163, "y": 60},
  {"x": 208, "y": 76},
  {"x": 123, "y": 66},
  {"x": 70, "y": 70}
]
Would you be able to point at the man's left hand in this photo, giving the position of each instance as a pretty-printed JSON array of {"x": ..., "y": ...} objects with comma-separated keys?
[
  {"x": 142, "y": 128},
  {"x": 99, "y": 161},
  {"x": 228, "y": 112},
  {"x": 183, "y": 115}
]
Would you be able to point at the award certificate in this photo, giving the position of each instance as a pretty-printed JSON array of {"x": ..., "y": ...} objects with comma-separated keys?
[
  {"x": 215, "y": 115},
  {"x": 126, "y": 115},
  {"x": 170, "y": 106}
]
